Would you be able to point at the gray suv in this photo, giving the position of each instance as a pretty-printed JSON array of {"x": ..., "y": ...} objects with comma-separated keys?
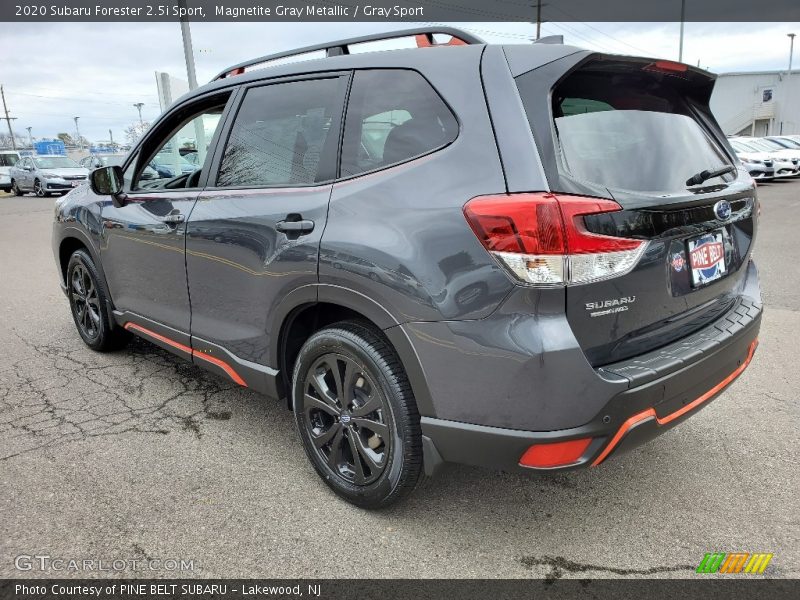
[{"x": 524, "y": 257}]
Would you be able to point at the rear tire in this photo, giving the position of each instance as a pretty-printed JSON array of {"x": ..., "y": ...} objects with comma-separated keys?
[
  {"x": 356, "y": 415},
  {"x": 88, "y": 301},
  {"x": 15, "y": 188}
]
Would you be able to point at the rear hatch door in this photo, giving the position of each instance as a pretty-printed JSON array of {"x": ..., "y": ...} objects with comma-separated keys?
[{"x": 640, "y": 132}]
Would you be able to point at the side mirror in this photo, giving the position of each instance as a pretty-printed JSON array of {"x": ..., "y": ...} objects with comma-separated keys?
[{"x": 107, "y": 181}]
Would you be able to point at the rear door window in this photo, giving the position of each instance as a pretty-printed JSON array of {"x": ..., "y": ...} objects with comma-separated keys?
[
  {"x": 630, "y": 131},
  {"x": 393, "y": 116}
]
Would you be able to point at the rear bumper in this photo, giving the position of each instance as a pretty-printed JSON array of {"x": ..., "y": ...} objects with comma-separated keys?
[{"x": 666, "y": 387}]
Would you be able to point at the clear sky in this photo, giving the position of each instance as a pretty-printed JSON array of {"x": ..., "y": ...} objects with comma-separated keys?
[{"x": 52, "y": 72}]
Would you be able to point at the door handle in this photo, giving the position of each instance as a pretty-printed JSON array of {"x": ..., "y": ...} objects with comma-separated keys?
[
  {"x": 174, "y": 218},
  {"x": 297, "y": 227}
]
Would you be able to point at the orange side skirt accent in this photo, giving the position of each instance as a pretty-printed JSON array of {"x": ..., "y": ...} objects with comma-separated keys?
[
  {"x": 201, "y": 355},
  {"x": 650, "y": 413}
]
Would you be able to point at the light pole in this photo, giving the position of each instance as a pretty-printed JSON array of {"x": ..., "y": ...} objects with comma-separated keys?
[
  {"x": 788, "y": 78},
  {"x": 680, "y": 43},
  {"x": 78, "y": 133},
  {"x": 30, "y": 136},
  {"x": 188, "y": 53},
  {"x": 138, "y": 106}
]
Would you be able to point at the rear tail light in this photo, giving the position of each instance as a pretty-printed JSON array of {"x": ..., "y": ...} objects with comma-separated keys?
[
  {"x": 557, "y": 454},
  {"x": 542, "y": 240}
]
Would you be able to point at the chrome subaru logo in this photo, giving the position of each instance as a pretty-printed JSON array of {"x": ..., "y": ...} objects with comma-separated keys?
[
  {"x": 345, "y": 419},
  {"x": 722, "y": 209}
]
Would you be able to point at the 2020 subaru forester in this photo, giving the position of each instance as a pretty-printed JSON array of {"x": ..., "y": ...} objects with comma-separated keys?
[{"x": 523, "y": 257}]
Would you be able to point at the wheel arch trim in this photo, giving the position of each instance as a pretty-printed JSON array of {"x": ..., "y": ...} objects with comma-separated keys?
[
  {"x": 373, "y": 311},
  {"x": 70, "y": 232}
]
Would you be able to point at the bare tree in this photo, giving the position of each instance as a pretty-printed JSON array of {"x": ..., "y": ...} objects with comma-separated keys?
[
  {"x": 134, "y": 131},
  {"x": 5, "y": 141}
]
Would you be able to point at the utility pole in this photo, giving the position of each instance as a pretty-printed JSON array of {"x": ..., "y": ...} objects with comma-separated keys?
[
  {"x": 78, "y": 133},
  {"x": 680, "y": 43},
  {"x": 138, "y": 107},
  {"x": 538, "y": 19},
  {"x": 8, "y": 119},
  {"x": 787, "y": 83},
  {"x": 30, "y": 136},
  {"x": 188, "y": 53},
  {"x": 111, "y": 138}
]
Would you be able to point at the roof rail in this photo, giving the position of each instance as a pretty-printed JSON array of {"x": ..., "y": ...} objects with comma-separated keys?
[{"x": 423, "y": 35}]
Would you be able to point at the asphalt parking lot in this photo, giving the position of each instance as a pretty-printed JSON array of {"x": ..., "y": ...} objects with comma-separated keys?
[{"x": 138, "y": 454}]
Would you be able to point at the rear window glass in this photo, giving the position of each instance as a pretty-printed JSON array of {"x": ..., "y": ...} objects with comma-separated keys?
[
  {"x": 393, "y": 116},
  {"x": 630, "y": 132}
]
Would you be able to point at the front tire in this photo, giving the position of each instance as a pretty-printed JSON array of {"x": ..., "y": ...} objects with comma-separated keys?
[
  {"x": 38, "y": 189},
  {"x": 88, "y": 301},
  {"x": 356, "y": 415}
]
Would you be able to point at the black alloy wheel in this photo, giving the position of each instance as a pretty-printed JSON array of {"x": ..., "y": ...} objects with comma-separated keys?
[
  {"x": 347, "y": 419},
  {"x": 89, "y": 304},
  {"x": 85, "y": 302},
  {"x": 356, "y": 414}
]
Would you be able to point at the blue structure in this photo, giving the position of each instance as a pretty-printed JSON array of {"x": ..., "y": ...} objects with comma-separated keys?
[{"x": 50, "y": 147}]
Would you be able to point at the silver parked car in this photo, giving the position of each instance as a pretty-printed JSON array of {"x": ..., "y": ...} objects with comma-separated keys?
[
  {"x": 95, "y": 161},
  {"x": 47, "y": 174}
]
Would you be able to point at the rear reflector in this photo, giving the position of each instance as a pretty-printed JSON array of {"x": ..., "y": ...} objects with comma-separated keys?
[
  {"x": 558, "y": 454},
  {"x": 541, "y": 238}
]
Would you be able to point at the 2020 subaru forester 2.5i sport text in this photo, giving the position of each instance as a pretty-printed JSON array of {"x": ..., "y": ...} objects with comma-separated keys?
[{"x": 523, "y": 257}]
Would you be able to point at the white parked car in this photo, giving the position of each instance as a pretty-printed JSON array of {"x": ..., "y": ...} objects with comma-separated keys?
[
  {"x": 46, "y": 174},
  {"x": 8, "y": 158},
  {"x": 787, "y": 160},
  {"x": 758, "y": 164},
  {"x": 785, "y": 166}
]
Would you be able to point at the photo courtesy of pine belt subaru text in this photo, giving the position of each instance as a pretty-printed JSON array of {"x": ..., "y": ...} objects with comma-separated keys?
[{"x": 522, "y": 257}]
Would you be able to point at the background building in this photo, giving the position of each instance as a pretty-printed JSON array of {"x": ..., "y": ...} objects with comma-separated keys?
[{"x": 758, "y": 103}]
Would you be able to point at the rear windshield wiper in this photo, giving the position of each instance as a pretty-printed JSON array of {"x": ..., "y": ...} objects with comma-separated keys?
[{"x": 702, "y": 176}]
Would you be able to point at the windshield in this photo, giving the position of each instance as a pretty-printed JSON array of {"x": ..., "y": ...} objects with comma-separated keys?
[
  {"x": 742, "y": 147},
  {"x": 8, "y": 160},
  {"x": 55, "y": 162},
  {"x": 764, "y": 145},
  {"x": 638, "y": 134},
  {"x": 787, "y": 143}
]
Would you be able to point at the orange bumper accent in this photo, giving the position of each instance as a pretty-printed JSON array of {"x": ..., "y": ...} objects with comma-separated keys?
[{"x": 650, "y": 413}]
